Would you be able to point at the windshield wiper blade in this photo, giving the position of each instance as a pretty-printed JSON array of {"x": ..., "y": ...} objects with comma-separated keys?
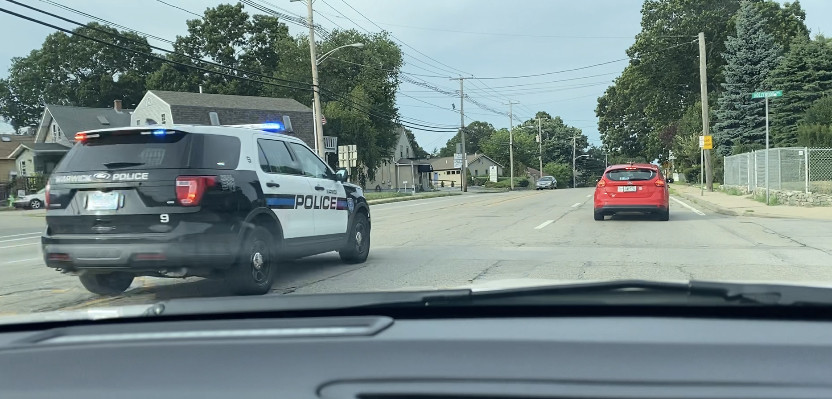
[
  {"x": 645, "y": 292},
  {"x": 116, "y": 165}
]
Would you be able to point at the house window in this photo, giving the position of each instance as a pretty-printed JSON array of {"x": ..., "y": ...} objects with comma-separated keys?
[
  {"x": 163, "y": 119},
  {"x": 401, "y": 152},
  {"x": 138, "y": 122},
  {"x": 476, "y": 172}
]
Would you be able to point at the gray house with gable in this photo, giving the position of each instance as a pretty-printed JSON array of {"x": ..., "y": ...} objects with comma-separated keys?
[{"x": 159, "y": 107}]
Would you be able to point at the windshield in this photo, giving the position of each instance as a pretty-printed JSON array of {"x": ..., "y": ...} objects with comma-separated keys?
[{"x": 183, "y": 149}]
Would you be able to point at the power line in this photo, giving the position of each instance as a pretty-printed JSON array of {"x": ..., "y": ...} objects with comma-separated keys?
[
  {"x": 179, "y": 8},
  {"x": 93, "y": 17},
  {"x": 404, "y": 122}
]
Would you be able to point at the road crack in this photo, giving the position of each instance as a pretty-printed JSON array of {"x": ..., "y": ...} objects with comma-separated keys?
[{"x": 485, "y": 271}]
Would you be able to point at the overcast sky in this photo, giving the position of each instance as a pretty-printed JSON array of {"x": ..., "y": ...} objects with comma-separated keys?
[{"x": 483, "y": 38}]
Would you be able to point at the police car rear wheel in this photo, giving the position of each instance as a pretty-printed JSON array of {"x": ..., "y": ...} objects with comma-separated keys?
[
  {"x": 358, "y": 241},
  {"x": 106, "y": 283},
  {"x": 35, "y": 204},
  {"x": 255, "y": 270}
]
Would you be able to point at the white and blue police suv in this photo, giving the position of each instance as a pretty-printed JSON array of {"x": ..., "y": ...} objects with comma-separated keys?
[{"x": 211, "y": 201}]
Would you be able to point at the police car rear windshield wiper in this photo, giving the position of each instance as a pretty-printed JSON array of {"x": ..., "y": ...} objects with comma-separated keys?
[{"x": 116, "y": 165}]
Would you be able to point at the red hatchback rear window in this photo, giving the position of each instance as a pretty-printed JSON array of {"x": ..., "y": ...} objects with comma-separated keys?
[{"x": 637, "y": 174}]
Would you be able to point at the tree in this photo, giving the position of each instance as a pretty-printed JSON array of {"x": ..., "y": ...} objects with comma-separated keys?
[
  {"x": 815, "y": 128},
  {"x": 751, "y": 54},
  {"x": 804, "y": 75},
  {"x": 561, "y": 171},
  {"x": 785, "y": 22},
  {"x": 72, "y": 70},
  {"x": 475, "y": 132}
]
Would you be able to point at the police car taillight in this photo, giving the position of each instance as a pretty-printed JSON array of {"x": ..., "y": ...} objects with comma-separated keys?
[
  {"x": 46, "y": 196},
  {"x": 189, "y": 189}
]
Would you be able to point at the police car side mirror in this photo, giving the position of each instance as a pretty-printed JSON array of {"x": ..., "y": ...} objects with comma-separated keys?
[{"x": 341, "y": 175}]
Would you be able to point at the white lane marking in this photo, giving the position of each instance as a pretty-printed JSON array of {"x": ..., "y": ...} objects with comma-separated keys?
[
  {"x": 20, "y": 245},
  {"x": 18, "y": 235},
  {"x": 577, "y": 204},
  {"x": 21, "y": 239},
  {"x": 589, "y": 195},
  {"x": 20, "y": 260},
  {"x": 696, "y": 211},
  {"x": 544, "y": 224}
]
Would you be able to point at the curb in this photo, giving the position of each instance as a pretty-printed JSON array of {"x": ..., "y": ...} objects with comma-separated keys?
[
  {"x": 410, "y": 198},
  {"x": 709, "y": 205}
]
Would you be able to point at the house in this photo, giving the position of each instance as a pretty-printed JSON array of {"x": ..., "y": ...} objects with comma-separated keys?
[
  {"x": 445, "y": 173},
  {"x": 159, "y": 107},
  {"x": 401, "y": 169},
  {"x": 55, "y": 135},
  {"x": 8, "y": 143}
]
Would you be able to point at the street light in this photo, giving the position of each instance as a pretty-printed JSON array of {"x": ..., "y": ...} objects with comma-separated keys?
[
  {"x": 316, "y": 90},
  {"x": 575, "y": 170},
  {"x": 323, "y": 57}
]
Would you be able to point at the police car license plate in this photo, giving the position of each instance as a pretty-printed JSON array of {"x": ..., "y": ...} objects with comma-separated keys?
[
  {"x": 626, "y": 189},
  {"x": 100, "y": 201}
]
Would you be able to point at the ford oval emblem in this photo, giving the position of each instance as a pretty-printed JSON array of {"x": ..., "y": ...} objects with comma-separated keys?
[{"x": 101, "y": 176}]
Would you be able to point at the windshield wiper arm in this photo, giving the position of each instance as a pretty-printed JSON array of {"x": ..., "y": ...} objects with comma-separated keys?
[{"x": 115, "y": 165}]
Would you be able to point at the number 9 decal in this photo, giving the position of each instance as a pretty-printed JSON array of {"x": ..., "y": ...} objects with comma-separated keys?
[{"x": 164, "y": 218}]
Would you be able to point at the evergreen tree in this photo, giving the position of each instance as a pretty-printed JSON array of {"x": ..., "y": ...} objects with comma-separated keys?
[
  {"x": 750, "y": 57},
  {"x": 804, "y": 75}
]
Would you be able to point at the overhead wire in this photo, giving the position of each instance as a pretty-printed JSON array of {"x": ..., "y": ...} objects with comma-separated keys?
[{"x": 404, "y": 122}]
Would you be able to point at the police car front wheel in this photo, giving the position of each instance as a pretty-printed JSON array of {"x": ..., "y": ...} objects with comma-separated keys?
[
  {"x": 106, "y": 283},
  {"x": 358, "y": 241},
  {"x": 254, "y": 272}
]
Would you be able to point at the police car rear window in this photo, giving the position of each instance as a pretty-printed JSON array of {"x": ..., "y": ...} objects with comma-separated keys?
[{"x": 175, "y": 150}]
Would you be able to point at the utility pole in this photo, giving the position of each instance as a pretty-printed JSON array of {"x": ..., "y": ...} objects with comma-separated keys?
[
  {"x": 540, "y": 145},
  {"x": 464, "y": 169},
  {"x": 703, "y": 89},
  {"x": 511, "y": 140},
  {"x": 316, "y": 90},
  {"x": 574, "y": 169}
]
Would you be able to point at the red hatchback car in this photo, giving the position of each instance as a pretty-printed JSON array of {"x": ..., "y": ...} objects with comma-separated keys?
[{"x": 633, "y": 187}]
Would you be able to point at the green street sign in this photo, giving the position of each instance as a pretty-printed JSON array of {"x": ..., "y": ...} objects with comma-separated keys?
[{"x": 764, "y": 94}]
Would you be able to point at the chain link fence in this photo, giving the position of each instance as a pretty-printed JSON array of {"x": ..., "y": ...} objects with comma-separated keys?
[{"x": 802, "y": 169}]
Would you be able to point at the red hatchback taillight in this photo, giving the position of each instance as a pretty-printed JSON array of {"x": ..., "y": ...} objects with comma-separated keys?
[
  {"x": 46, "y": 196},
  {"x": 659, "y": 183},
  {"x": 601, "y": 183},
  {"x": 189, "y": 189}
]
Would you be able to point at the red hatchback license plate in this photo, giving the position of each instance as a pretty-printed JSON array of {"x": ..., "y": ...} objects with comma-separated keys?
[{"x": 627, "y": 189}]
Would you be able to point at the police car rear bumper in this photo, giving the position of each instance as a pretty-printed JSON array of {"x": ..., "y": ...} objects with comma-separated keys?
[{"x": 154, "y": 254}]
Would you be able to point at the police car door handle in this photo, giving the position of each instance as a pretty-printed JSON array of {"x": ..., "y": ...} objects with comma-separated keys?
[
  {"x": 272, "y": 184},
  {"x": 319, "y": 188}
]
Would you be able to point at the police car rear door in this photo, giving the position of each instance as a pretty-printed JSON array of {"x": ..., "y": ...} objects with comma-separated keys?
[
  {"x": 285, "y": 187},
  {"x": 330, "y": 203}
]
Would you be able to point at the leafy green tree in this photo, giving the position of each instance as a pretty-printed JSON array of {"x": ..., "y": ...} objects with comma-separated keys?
[
  {"x": 475, "y": 133},
  {"x": 785, "y": 22},
  {"x": 751, "y": 54},
  {"x": 804, "y": 75},
  {"x": 71, "y": 70},
  {"x": 561, "y": 171}
]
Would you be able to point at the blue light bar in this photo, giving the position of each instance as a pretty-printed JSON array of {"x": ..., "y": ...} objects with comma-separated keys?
[
  {"x": 273, "y": 127},
  {"x": 160, "y": 132}
]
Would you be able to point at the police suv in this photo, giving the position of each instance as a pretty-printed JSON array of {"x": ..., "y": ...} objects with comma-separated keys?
[{"x": 210, "y": 201}]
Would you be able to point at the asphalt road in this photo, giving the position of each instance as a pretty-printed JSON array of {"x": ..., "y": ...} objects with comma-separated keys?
[{"x": 480, "y": 240}]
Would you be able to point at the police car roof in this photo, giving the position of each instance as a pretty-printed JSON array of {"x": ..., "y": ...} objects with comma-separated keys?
[{"x": 238, "y": 131}]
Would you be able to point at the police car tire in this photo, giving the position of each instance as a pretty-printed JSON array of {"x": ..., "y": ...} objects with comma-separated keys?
[
  {"x": 108, "y": 284},
  {"x": 246, "y": 277},
  {"x": 35, "y": 204},
  {"x": 354, "y": 252}
]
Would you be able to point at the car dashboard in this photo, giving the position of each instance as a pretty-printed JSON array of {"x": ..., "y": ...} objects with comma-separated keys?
[{"x": 351, "y": 357}]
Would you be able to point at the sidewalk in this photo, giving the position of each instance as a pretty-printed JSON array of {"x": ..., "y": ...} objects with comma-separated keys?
[{"x": 736, "y": 205}]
